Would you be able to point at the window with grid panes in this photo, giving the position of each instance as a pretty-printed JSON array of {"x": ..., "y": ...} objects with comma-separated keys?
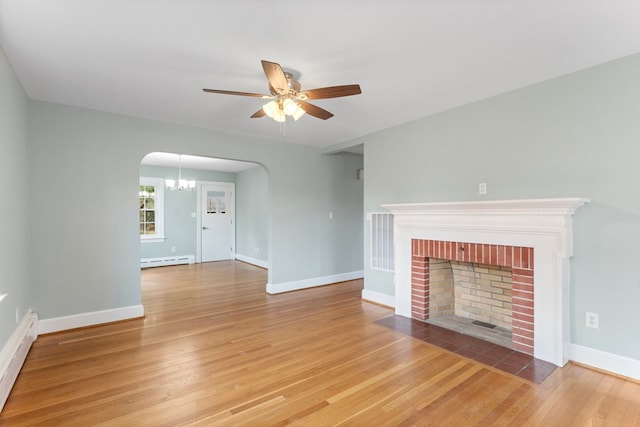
[
  {"x": 147, "y": 209},
  {"x": 151, "y": 209}
]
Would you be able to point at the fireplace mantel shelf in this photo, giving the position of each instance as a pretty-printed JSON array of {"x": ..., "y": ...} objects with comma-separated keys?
[{"x": 554, "y": 206}]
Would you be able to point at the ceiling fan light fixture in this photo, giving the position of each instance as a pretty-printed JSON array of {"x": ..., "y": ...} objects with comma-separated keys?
[
  {"x": 279, "y": 116},
  {"x": 298, "y": 113},
  {"x": 289, "y": 106},
  {"x": 271, "y": 108}
]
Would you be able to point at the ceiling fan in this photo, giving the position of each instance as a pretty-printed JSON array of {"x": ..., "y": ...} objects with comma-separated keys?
[{"x": 287, "y": 98}]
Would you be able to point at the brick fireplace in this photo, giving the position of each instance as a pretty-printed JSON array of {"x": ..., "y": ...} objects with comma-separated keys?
[
  {"x": 519, "y": 234},
  {"x": 520, "y": 259}
]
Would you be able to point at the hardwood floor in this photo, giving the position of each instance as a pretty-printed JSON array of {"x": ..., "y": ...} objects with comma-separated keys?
[{"x": 215, "y": 349}]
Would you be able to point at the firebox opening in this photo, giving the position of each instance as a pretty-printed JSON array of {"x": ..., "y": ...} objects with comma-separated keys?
[{"x": 471, "y": 298}]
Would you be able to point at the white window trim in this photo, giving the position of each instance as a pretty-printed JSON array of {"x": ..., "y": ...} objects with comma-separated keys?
[{"x": 159, "y": 208}]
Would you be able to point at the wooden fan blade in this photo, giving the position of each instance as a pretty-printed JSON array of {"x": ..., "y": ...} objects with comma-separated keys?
[
  {"x": 258, "y": 114},
  {"x": 315, "y": 111},
  {"x": 276, "y": 76},
  {"x": 231, "y": 92},
  {"x": 332, "y": 92}
]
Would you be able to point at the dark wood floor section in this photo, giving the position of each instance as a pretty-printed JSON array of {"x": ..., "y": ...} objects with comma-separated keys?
[
  {"x": 215, "y": 350},
  {"x": 505, "y": 359}
]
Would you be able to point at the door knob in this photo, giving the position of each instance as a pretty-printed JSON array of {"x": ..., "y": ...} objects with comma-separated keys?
[{"x": 205, "y": 228}]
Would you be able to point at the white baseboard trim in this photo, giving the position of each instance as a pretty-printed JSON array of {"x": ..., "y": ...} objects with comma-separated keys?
[
  {"x": 167, "y": 260},
  {"x": 63, "y": 323},
  {"x": 15, "y": 352},
  {"x": 313, "y": 282},
  {"x": 610, "y": 362},
  {"x": 379, "y": 298},
  {"x": 253, "y": 261}
]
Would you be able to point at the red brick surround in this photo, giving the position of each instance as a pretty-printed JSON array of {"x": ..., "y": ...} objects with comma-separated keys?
[{"x": 520, "y": 259}]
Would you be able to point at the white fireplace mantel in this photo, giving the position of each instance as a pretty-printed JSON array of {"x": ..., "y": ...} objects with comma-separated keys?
[{"x": 543, "y": 224}]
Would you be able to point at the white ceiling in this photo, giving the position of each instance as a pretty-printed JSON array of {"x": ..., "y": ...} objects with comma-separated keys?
[
  {"x": 195, "y": 162},
  {"x": 151, "y": 58}
]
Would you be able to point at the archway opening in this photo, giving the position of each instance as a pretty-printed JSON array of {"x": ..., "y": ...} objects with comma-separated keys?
[{"x": 181, "y": 224}]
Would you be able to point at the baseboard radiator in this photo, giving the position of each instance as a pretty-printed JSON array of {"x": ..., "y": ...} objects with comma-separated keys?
[
  {"x": 15, "y": 352},
  {"x": 168, "y": 260}
]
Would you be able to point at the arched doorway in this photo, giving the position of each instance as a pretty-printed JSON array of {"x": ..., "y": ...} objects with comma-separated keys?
[{"x": 175, "y": 224}]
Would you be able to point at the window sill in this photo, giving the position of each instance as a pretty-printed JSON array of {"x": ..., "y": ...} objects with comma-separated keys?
[{"x": 159, "y": 239}]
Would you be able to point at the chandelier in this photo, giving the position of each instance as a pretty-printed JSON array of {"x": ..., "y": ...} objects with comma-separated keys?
[{"x": 182, "y": 184}]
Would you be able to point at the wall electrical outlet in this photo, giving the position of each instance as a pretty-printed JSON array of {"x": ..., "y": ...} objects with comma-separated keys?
[
  {"x": 592, "y": 320},
  {"x": 173, "y": 249},
  {"x": 482, "y": 188}
]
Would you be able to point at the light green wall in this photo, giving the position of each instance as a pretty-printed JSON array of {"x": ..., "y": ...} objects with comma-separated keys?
[
  {"x": 14, "y": 231},
  {"x": 578, "y": 135},
  {"x": 344, "y": 197},
  {"x": 86, "y": 255},
  {"x": 252, "y": 213},
  {"x": 180, "y": 228}
]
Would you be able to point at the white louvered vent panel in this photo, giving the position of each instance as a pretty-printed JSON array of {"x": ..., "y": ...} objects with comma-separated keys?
[{"x": 381, "y": 241}]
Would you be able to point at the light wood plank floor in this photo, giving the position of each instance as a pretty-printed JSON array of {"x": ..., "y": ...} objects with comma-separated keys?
[{"x": 215, "y": 349}]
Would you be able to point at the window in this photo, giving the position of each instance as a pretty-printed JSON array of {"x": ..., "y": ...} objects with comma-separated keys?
[
  {"x": 381, "y": 241},
  {"x": 151, "y": 197},
  {"x": 216, "y": 202}
]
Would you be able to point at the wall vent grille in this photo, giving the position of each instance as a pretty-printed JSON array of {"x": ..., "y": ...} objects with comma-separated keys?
[{"x": 381, "y": 227}]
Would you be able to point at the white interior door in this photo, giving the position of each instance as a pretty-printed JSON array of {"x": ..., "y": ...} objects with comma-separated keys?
[{"x": 217, "y": 213}]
